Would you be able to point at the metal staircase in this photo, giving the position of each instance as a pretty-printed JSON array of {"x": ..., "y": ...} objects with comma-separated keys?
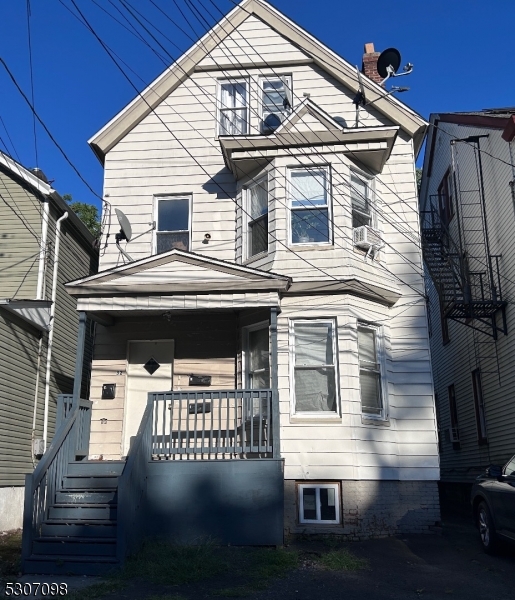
[{"x": 78, "y": 534}]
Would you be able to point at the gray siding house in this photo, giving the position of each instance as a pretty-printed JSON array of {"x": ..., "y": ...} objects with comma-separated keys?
[
  {"x": 261, "y": 364},
  {"x": 468, "y": 215},
  {"x": 29, "y": 210}
]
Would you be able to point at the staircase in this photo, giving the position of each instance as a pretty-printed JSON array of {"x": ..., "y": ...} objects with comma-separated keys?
[{"x": 78, "y": 535}]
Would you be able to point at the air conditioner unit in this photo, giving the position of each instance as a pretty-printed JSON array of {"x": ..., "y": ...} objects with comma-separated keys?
[
  {"x": 367, "y": 238},
  {"x": 454, "y": 435}
]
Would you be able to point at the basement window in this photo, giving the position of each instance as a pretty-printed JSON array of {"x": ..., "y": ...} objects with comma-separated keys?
[{"x": 319, "y": 503}]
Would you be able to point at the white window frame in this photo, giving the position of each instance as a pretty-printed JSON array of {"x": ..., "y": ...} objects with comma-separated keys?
[
  {"x": 221, "y": 109},
  {"x": 157, "y": 199},
  {"x": 247, "y": 217},
  {"x": 318, "y": 487},
  {"x": 246, "y": 351},
  {"x": 262, "y": 80},
  {"x": 319, "y": 414},
  {"x": 329, "y": 204},
  {"x": 370, "y": 182},
  {"x": 381, "y": 362}
]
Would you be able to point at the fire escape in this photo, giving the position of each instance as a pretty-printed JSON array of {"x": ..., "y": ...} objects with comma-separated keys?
[{"x": 457, "y": 252}]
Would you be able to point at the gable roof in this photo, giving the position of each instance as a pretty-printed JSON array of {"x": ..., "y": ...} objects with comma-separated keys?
[
  {"x": 332, "y": 63},
  {"x": 370, "y": 145},
  {"x": 177, "y": 271}
]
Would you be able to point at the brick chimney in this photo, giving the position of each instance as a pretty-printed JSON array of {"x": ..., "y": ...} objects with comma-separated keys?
[{"x": 369, "y": 65}]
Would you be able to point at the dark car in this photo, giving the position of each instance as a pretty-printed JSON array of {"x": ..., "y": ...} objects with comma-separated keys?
[{"x": 493, "y": 504}]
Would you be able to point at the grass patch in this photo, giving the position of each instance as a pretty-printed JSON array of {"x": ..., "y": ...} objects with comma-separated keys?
[
  {"x": 342, "y": 560},
  {"x": 174, "y": 565},
  {"x": 270, "y": 562},
  {"x": 96, "y": 591},
  {"x": 10, "y": 555}
]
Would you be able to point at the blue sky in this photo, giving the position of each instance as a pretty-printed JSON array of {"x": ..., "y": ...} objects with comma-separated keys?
[{"x": 462, "y": 52}]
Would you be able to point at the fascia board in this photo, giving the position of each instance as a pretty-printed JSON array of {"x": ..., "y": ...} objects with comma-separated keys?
[
  {"x": 328, "y": 60},
  {"x": 20, "y": 171}
]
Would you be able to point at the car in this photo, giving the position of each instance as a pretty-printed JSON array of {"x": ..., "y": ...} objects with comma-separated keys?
[{"x": 493, "y": 505}]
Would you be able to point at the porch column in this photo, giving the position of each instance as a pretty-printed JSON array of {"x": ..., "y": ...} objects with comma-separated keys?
[
  {"x": 79, "y": 360},
  {"x": 275, "y": 383}
]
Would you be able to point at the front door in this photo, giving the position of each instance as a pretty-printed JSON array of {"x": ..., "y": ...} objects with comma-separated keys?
[{"x": 149, "y": 369}]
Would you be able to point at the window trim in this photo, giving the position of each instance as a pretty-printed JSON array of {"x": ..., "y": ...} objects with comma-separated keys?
[
  {"x": 291, "y": 334},
  {"x": 219, "y": 109},
  {"x": 380, "y": 343},
  {"x": 246, "y": 349},
  {"x": 370, "y": 181},
  {"x": 272, "y": 77},
  {"x": 157, "y": 198},
  {"x": 479, "y": 406},
  {"x": 329, "y": 204},
  {"x": 318, "y": 487},
  {"x": 247, "y": 219}
]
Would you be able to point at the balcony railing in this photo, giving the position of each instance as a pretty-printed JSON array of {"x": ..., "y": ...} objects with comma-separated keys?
[{"x": 218, "y": 424}]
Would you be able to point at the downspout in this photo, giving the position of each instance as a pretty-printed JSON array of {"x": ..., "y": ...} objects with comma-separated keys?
[
  {"x": 40, "y": 295},
  {"x": 52, "y": 319}
]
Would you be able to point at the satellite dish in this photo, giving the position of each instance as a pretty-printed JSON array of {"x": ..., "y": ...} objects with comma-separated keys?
[
  {"x": 271, "y": 123},
  {"x": 390, "y": 57},
  {"x": 125, "y": 227}
]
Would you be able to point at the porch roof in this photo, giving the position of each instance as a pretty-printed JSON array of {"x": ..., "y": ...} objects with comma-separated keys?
[{"x": 178, "y": 272}]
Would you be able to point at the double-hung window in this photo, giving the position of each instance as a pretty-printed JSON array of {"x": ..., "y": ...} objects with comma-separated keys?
[
  {"x": 310, "y": 206},
  {"x": 314, "y": 368},
  {"x": 257, "y": 365},
  {"x": 172, "y": 223},
  {"x": 276, "y": 100},
  {"x": 361, "y": 201},
  {"x": 257, "y": 212},
  {"x": 233, "y": 113},
  {"x": 371, "y": 371}
]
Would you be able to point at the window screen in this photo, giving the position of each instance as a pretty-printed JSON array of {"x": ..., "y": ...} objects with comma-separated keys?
[{"x": 360, "y": 198}]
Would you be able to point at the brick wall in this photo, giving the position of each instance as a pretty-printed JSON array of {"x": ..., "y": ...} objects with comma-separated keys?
[{"x": 373, "y": 509}]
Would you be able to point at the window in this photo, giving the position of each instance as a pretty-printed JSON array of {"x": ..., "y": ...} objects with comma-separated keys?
[
  {"x": 479, "y": 405},
  {"x": 172, "y": 223},
  {"x": 309, "y": 206},
  {"x": 445, "y": 198},
  {"x": 319, "y": 503},
  {"x": 370, "y": 371},
  {"x": 233, "y": 114},
  {"x": 314, "y": 371},
  {"x": 257, "y": 203},
  {"x": 276, "y": 99},
  {"x": 361, "y": 201},
  {"x": 445, "y": 327},
  {"x": 453, "y": 410}
]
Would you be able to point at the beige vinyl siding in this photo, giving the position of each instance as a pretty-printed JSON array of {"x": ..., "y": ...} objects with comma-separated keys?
[
  {"x": 204, "y": 344},
  {"x": 454, "y": 362},
  {"x": 20, "y": 232}
]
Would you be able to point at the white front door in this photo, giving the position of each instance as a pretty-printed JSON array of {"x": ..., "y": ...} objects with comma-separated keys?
[{"x": 149, "y": 369}]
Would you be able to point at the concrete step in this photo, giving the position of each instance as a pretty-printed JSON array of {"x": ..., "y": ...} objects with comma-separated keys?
[
  {"x": 70, "y": 565},
  {"x": 95, "y": 496},
  {"x": 78, "y": 528},
  {"x": 96, "y": 467},
  {"x": 82, "y": 512},
  {"x": 73, "y": 547}
]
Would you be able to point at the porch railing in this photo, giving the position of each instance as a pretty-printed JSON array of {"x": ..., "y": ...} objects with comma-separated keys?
[
  {"x": 70, "y": 441},
  {"x": 214, "y": 424}
]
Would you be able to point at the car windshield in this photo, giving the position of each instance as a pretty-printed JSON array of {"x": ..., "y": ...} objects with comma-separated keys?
[{"x": 509, "y": 469}]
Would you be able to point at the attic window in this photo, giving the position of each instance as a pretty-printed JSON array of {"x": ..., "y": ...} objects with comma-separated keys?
[
  {"x": 233, "y": 108},
  {"x": 276, "y": 100}
]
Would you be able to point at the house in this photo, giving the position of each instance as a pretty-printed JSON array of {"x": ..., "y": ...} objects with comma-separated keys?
[
  {"x": 261, "y": 361},
  {"x": 467, "y": 214},
  {"x": 31, "y": 374}
]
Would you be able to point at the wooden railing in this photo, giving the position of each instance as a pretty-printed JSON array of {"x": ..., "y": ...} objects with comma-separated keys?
[
  {"x": 70, "y": 441},
  {"x": 214, "y": 424},
  {"x": 132, "y": 485}
]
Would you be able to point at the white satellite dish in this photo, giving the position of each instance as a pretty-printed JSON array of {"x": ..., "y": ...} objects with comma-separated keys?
[{"x": 125, "y": 232}]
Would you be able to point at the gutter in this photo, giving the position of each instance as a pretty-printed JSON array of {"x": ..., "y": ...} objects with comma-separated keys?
[{"x": 52, "y": 323}]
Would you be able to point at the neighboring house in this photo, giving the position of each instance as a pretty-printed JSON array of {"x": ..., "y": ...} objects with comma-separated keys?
[
  {"x": 29, "y": 209},
  {"x": 274, "y": 313},
  {"x": 467, "y": 215}
]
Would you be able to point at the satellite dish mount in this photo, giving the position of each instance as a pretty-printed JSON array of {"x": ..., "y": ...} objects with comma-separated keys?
[
  {"x": 125, "y": 233},
  {"x": 388, "y": 64}
]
